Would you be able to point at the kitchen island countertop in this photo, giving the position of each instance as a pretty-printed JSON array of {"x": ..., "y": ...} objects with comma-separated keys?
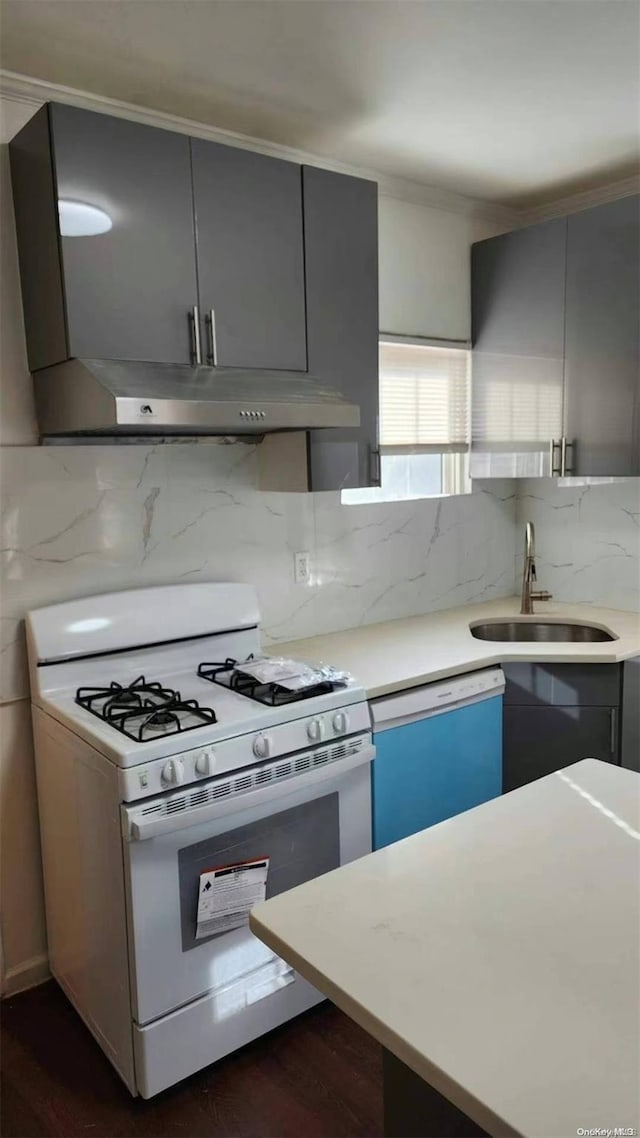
[
  {"x": 496, "y": 954},
  {"x": 399, "y": 654}
]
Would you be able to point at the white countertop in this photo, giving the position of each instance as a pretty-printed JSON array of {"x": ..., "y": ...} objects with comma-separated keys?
[
  {"x": 497, "y": 953},
  {"x": 404, "y": 653}
]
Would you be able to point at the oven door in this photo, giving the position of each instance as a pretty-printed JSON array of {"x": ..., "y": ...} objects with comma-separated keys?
[{"x": 307, "y": 815}]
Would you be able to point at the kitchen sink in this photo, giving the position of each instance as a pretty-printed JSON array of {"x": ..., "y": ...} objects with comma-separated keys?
[{"x": 542, "y": 631}]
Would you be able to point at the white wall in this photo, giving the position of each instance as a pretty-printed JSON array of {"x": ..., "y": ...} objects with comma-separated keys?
[
  {"x": 424, "y": 268},
  {"x": 81, "y": 520},
  {"x": 23, "y": 927}
]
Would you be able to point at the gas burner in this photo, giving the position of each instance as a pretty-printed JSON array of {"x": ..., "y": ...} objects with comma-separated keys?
[
  {"x": 230, "y": 675},
  {"x": 144, "y": 710}
]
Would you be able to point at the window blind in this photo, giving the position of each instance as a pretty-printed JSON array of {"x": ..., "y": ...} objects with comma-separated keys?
[{"x": 424, "y": 398}]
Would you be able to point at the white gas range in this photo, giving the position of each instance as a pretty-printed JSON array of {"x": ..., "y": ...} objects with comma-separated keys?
[{"x": 172, "y": 759}]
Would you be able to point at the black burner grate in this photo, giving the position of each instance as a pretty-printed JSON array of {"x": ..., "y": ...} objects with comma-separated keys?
[
  {"x": 144, "y": 710},
  {"x": 228, "y": 675}
]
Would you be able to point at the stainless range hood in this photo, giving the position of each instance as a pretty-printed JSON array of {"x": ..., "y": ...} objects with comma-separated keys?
[{"x": 119, "y": 398}]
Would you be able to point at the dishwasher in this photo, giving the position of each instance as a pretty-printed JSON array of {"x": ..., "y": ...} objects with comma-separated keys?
[{"x": 438, "y": 752}]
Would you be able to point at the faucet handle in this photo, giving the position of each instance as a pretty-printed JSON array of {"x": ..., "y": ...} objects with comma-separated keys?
[{"x": 541, "y": 595}]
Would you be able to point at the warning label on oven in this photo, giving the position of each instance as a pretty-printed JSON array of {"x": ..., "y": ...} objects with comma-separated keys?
[{"x": 227, "y": 893}]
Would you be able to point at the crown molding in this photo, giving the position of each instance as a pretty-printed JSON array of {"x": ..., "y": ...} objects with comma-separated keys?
[
  {"x": 33, "y": 92},
  {"x": 583, "y": 199},
  {"x": 29, "y": 92}
]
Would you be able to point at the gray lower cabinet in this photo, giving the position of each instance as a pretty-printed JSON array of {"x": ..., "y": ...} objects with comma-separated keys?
[
  {"x": 126, "y": 292},
  {"x": 602, "y": 354},
  {"x": 248, "y": 211},
  {"x": 558, "y": 714},
  {"x": 341, "y": 269},
  {"x": 539, "y": 740},
  {"x": 630, "y": 741}
]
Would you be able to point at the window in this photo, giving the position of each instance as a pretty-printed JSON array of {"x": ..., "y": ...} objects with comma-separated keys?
[{"x": 424, "y": 422}]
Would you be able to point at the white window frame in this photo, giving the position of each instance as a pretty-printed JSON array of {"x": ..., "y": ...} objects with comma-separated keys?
[{"x": 455, "y": 478}]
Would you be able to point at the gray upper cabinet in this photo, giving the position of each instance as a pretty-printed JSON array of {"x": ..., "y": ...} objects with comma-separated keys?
[
  {"x": 602, "y": 338},
  {"x": 248, "y": 210},
  {"x": 200, "y": 253},
  {"x": 518, "y": 293},
  {"x": 555, "y": 326},
  {"x": 517, "y": 321},
  {"x": 126, "y": 292},
  {"x": 341, "y": 267},
  {"x": 36, "y": 213}
]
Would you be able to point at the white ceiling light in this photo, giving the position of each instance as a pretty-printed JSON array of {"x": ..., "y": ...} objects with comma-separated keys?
[{"x": 77, "y": 219}]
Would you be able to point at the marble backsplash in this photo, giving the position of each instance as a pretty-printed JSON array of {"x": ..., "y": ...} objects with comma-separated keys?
[
  {"x": 587, "y": 539},
  {"x": 89, "y": 519}
]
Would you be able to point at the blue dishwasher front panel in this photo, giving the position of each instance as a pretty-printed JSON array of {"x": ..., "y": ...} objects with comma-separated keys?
[{"x": 434, "y": 768}]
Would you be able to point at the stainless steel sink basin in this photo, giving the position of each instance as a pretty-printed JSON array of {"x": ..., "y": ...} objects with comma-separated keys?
[{"x": 541, "y": 631}]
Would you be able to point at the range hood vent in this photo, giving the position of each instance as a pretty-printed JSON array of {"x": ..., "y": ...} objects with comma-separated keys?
[{"x": 120, "y": 398}]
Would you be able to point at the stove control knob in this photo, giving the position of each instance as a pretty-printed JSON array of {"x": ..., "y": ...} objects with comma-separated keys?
[
  {"x": 262, "y": 746},
  {"x": 315, "y": 730},
  {"x": 340, "y": 722},
  {"x": 173, "y": 772},
  {"x": 205, "y": 763}
]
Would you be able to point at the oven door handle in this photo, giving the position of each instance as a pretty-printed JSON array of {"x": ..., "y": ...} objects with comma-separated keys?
[{"x": 138, "y": 828}]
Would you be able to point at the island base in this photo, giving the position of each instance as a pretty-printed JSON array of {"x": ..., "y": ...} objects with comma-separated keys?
[{"x": 413, "y": 1109}]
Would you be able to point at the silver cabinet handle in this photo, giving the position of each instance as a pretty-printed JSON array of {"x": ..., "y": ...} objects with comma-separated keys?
[
  {"x": 556, "y": 445},
  {"x": 194, "y": 319},
  {"x": 212, "y": 357},
  {"x": 375, "y": 472},
  {"x": 613, "y": 730},
  {"x": 566, "y": 445}
]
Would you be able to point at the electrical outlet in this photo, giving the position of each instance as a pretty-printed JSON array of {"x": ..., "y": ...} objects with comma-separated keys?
[{"x": 301, "y": 568}]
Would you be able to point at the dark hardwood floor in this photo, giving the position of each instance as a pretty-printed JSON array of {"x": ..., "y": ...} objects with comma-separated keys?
[{"x": 319, "y": 1076}]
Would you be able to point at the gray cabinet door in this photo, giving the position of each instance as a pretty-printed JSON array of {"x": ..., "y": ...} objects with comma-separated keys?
[
  {"x": 602, "y": 338},
  {"x": 128, "y": 291},
  {"x": 539, "y": 740},
  {"x": 250, "y": 256},
  {"x": 341, "y": 268},
  {"x": 34, "y": 203},
  {"x": 563, "y": 685},
  {"x": 517, "y": 321},
  {"x": 630, "y": 730}
]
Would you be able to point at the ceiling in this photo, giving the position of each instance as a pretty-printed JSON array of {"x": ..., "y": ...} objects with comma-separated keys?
[{"x": 511, "y": 101}]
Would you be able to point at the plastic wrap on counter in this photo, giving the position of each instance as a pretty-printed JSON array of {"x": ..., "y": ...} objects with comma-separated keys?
[{"x": 293, "y": 675}]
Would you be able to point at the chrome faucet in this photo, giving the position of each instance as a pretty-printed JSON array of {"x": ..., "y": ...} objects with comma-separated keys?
[{"x": 529, "y": 573}]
